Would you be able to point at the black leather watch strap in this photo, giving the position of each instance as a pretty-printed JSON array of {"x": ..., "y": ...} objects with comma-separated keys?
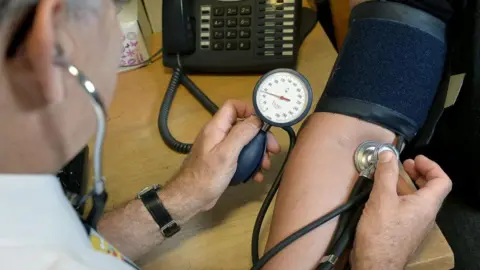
[{"x": 168, "y": 226}]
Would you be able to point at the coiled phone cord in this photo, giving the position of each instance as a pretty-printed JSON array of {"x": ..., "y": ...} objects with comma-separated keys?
[{"x": 179, "y": 78}]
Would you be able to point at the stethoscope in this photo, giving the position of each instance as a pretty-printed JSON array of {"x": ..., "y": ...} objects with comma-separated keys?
[{"x": 98, "y": 193}]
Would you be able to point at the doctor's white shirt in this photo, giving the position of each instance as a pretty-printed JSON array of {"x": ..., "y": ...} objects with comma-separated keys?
[{"x": 40, "y": 230}]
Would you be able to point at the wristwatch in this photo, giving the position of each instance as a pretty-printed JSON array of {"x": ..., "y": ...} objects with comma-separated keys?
[{"x": 149, "y": 197}]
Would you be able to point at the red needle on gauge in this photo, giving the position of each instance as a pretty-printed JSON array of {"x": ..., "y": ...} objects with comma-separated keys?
[{"x": 277, "y": 96}]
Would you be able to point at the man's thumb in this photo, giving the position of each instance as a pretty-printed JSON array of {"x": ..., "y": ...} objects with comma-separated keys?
[
  {"x": 386, "y": 174},
  {"x": 241, "y": 134}
]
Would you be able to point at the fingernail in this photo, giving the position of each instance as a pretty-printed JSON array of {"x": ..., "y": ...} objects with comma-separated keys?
[{"x": 385, "y": 156}]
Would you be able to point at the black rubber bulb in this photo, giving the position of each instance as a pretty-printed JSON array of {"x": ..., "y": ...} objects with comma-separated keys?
[{"x": 250, "y": 159}]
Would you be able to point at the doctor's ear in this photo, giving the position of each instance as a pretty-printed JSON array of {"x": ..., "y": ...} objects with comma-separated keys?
[{"x": 34, "y": 49}]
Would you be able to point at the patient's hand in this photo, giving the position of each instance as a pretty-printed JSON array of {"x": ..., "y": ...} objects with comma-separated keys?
[{"x": 392, "y": 227}]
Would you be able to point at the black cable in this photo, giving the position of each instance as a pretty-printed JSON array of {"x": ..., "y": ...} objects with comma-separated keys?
[
  {"x": 98, "y": 208},
  {"x": 308, "y": 228},
  {"x": 206, "y": 102},
  {"x": 269, "y": 198},
  {"x": 162, "y": 122},
  {"x": 345, "y": 238},
  {"x": 177, "y": 78},
  {"x": 345, "y": 217}
]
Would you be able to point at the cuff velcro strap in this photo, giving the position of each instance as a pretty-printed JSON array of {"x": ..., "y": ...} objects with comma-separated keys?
[{"x": 370, "y": 112}]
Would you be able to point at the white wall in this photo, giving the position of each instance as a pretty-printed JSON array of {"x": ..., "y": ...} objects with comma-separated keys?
[{"x": 154, "y": 9}]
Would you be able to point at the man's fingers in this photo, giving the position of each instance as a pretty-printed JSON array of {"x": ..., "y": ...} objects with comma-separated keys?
[
  {"x": 259, "y": 177},
  {"x": 222, "y": 122},
  {"x": 266, "y": 163},
  {"x": 428, "y": 168},
  {"x": 421, "y": 182},
  {"x": 227, "y": 116},
  {"x": 272, "y": 144},
  {"x": 437, "y": 184},
  {"x": 240, "y": 135},
  {"x": 386, "y": 176},
  {"x": 233, "y": 109},
  {"x": 409, "y": 166}
]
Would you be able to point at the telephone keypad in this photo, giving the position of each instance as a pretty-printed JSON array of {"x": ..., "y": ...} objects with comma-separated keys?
[
  {"x": 231, "y": 45},
  {"x": 245, "y": 21},
  {"x": 244, "y": 45},
  {"x": 231, "y": 34},
  {"x": 218, "y": 45},
  {"x": 217, "y": 23},
  {"x": 244, "y": 33},
  {"x": 232, "y": 11},
  {"x": 218, "y": 34},
  {"x": 245, "y": 10},
  {"x": 232, "y": 22},
  {"x": 219, "y": 11},
  {"x": 235, "y": 22}
]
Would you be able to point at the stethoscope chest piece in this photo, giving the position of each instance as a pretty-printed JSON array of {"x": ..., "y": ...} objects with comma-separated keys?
[{"x": 366, "y": 154}]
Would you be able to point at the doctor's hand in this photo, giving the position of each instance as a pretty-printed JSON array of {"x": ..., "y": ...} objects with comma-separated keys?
[
  {"x": 392, "y": 226},
  {"x": 207, "y": 171}
]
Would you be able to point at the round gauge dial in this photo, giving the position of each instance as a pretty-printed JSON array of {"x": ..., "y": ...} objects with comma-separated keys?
[{"x": 282, "y": 97}]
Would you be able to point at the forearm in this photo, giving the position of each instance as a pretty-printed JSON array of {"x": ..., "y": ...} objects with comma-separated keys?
[
  {"x": 132, "y": 229},
  {"x": 318, "y": 178}
]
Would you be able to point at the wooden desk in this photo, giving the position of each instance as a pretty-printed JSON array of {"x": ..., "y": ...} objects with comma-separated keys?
[{"x": 135, "y": 157}]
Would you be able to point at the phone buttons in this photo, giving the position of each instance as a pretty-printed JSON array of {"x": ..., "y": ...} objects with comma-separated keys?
[
  {"x": 205, "y": 10},
  {"x": 218, "y": 34},
  {"x": 217, "y": 45},
  {"x": 244, "y": 45},
  {"x": 231, "y": 45},
  {"x": 245, "y": 10},
  {"x": 218, "y": 11},
  {"x": 204, "y": 44},
  {"x": 232, "y": 22},
  {"x": 244, "y": 33},
  {"x": 217, "y": 23},
  {"x": 245, "y": 22},
  {"x": 231, "y": 34},
  {"x": 232, "y": 11}
]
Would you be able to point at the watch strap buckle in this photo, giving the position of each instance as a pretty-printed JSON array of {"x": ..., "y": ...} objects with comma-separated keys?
[{"x": 170, "y": 229}]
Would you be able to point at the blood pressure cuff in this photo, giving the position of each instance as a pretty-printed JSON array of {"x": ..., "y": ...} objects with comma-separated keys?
[{"x": 389, "y": 68}]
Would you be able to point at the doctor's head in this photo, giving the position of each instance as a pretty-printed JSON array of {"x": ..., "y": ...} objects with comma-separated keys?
[{"x": 45, "y": 117}]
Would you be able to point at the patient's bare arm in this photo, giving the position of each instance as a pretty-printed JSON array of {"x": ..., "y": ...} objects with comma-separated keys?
[{"x": 318, "y": 178}]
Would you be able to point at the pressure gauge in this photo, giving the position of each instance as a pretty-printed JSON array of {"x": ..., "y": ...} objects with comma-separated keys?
[{"x": 282, "y": 97}]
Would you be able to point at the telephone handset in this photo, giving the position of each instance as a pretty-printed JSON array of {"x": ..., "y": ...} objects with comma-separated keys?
[
  {"x": 178, "y": 27},
  {"x": 226, "y": 36}
]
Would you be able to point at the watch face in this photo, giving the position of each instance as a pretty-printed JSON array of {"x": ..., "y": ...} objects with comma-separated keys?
[{"x": 170, "y": 229}]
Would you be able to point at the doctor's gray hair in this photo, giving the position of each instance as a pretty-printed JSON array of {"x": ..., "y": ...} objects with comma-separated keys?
[{"x": 15, "y": 8}]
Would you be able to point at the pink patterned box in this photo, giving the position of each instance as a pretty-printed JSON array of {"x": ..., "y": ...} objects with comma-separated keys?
[
  {"x": 137, "y": 33},
  {"x": 134, "y": 51}
]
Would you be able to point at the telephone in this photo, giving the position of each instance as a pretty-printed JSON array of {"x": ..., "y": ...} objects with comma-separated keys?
[{"x": 228, "y": 36}]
